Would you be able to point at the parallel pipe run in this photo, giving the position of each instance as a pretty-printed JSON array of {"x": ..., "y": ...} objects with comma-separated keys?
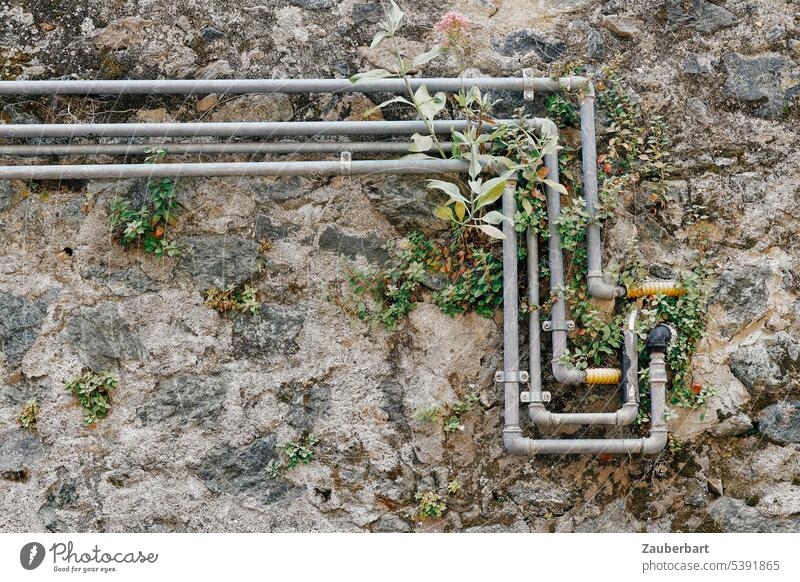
[
  {"x": 629, "y": 391},
  {"x": 293, "y": 147},
  {"x": 162, "y": 86},
  {"x": 316, "y": 168}
]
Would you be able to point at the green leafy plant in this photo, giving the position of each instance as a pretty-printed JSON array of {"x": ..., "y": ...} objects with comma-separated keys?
[
  {"x": 430, "y": 504},
  {"x": 149, "y": 224},
  {"x": 295, "y": 453},
  {"x": 451, "y": 415},
  {"x": 28, "y": 417},
  {"x": 453, "y": 486},
  {"x": 93, "y": 391},
  {"x": 241, "y": 298}
]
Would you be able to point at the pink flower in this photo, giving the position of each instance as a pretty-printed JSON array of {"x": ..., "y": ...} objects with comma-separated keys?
[{"x": 452, "y": 23}]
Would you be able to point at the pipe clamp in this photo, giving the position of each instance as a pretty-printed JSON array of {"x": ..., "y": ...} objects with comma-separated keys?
[
  {"x": 346, "y": 159},
  {"x": 527, "y": 85},
  {"x": 512, "y": 376},
  {"x": 566, "y": 325}
]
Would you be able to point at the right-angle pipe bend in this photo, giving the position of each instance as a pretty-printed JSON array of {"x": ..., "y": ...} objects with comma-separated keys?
[{"x": 657, "y": 343}]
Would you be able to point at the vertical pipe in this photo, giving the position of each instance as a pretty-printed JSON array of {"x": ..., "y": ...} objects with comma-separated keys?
[
  {"x": 597, "y": 285},
  {"x": 534, "y": 335},
  {"x": 558, "y": 314},
  {"x": 510, "y": 308}
]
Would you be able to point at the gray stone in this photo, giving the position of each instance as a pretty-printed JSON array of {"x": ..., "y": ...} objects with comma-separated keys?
[
  {"x": 367, "y": 13},
  {"x": 217, "y": 70},
  {"x": 271, "y": 332},
  {"x": 623, "y": 26},
  {"x": 313, "y": 4},
  {"x": 693, "y": 66},
  {"x": 210, "y": 34},
  {"x": 596, "y": 48},
  {"x": 307, "y": 403},
  {"x": 241, "y": 472},
  {"x": 282, "y": 189},
  {"x": 65, "y": 509},
  {"x": 186, "y": 400},
  {"x": 123, "y": 283},
  {"x": 406, "y": 203},
  {"x": 771, "y": 363},
  {"x": 272, "y": 107},
  {"x": 701, "y": 15},
  {"x": 390, "y": 523},
  {"x": 735, "y": 425},
  {"x": 734, "y": 515},
  {"x": 542, "y": 497},
  {"x": 19, "y": 449},
  {"x": 780, "y": 422},
  {"x": 6, "y": 194},
  {"x": 696, "y": 493},
  {"x": 761, "y": 80},
  {"x": 370, "y": 246},
  {"x": 102, "y": 337},
  {"x": 20, "y": 324},
  {"x": 393, "y": 403},
  {"x": 218, "y": 260},
  {"x": 697, "y": 110},
  {"x": 527, "y": 40},
  {"x": 268, "y": 230},
  {"x": 742, "y": 292}
]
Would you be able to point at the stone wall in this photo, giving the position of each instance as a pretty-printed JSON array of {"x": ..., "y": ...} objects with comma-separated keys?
[{"x": 204, "y": 400}]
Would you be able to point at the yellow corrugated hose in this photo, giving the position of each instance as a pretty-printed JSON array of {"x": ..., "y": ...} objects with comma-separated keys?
[
  {"x": 648, "y": 288},
  {"x": 603, "y": 376}
]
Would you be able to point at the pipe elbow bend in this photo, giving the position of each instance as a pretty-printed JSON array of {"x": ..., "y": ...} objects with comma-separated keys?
[
  {"x": 567, "y": 375},
  {"x": 539, "y": 415},
  {"x": 655, "y": 442},
  {"x": 515, "y": 443},
  {"x": 597, "y": 287},
  {"x": 627, "y": 414}
]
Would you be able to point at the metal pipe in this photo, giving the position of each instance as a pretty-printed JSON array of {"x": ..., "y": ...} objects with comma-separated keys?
[
  {"x": 192, "y": 86},
  {"x": 325, "y": 168},
  {"x": 597, "y": 285},
  {"x": 510, "y": 309},
  {"x": 558, "y": 315},
  {"x": 654, "y": 443},
  {"x": 293, "y": 147},
  {"x": 534, "y": 332},
  {"x": 629, "y": 393},
  {"x": 229, "y": 129}
]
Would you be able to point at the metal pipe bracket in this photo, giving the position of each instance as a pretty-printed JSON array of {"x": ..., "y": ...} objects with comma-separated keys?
[
  {"x": 566, "y": 325},
  {"x": 512, "y": 376},
  {"x": 528, "y": 92}
]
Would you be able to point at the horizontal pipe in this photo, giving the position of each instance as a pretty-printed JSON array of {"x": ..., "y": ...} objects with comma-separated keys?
[
  {"x": 320, "y": 168},
  {"x": 516, "y": 443},
  {"x": 212, "y": 148},
  {"x": 228, "y": 129},
  {"x": 192, "y": 86}
]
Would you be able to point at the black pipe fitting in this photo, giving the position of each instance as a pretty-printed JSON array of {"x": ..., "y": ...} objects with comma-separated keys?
[{"x": 659, "y": 338}]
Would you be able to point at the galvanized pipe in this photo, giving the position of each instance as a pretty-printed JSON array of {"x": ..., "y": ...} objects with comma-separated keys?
[
  {"x": 324, "y": 168},
  {"x": 202, "y": 86},
  {"x": 510, "y": 308},
  {"x": 534, "y": 319},
  {"x": 655, "y": 442},
  {"x": 230, "y": 129},
  {"x": 294, "y": 147},
  {"x": 597, "y": 285},
  {"x": 558, "y": 315},
  {"x": 629, "y": 393}
]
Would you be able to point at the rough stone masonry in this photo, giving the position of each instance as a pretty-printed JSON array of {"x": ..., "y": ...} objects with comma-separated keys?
[{"x": 204, "y": 400}]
